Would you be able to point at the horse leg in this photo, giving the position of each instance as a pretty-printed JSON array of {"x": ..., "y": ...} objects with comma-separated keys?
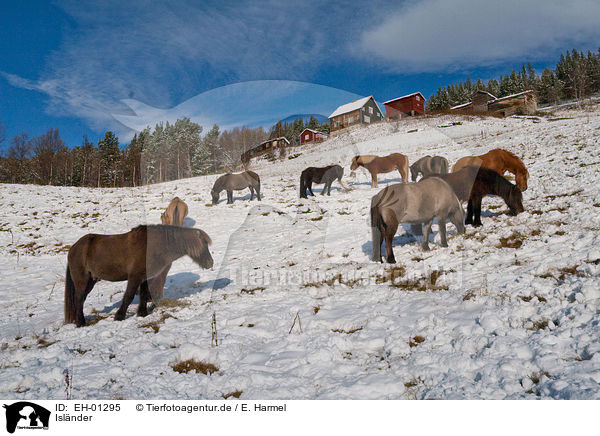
[
  {"x": 229, "y": 196},
  {"x": 132, "y": 287},
  {"x": 329, "y": 187},
  {"x": 469, "y": 219},
  {"x": 426, "y": 230},
  {"x": 392, "y": 226},
  {"x": 374, "y": 180},
  {"x": 477, "y": 212},
  {"x": 442, "y": 227},
  {"x": 144, "y": 297},
  {"x": 310, "y": 188},
  {"x": 251, "y": 193}
]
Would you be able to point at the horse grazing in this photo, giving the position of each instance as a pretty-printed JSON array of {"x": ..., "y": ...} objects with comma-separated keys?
[
  {"x": 325, "y": 175},
  {"x": 415, "y": 203},
  {"x": 379, "y": 164},
  {"x": 236, "y": 182},
  {"x": 428, "y": 166},
  {"x": 136, "y": 256},
  {"x": 500, "y": 161},
  {"x": 175, "y": 213},
  {"x": 473, "y": 183}
]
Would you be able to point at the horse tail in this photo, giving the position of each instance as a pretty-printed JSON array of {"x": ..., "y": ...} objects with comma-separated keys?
[
  {"x": 377, "y": 230},
  {"x": 303, "y": 185},
  {"x": 175, "y": 221},
  {"x": 71, "y": 308},
  {"x": 444, "y": 167}
]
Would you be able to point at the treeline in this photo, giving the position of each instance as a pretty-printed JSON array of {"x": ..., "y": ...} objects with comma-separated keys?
[
  {"x": 293, "y": 130},
  {"x": 576, "y": 76},
  {"x": 167, "y": 152}
]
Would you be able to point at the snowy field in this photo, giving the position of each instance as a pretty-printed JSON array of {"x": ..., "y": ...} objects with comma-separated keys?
[{"x": 509, "y": 310}]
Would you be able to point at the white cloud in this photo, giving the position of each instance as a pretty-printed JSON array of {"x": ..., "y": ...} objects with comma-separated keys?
[
  {"x": 163, "y": 53},
  {"x": 436, "y": 35}
]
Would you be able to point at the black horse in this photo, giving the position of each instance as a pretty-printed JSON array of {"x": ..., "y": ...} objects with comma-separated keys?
[{"x": 325, "y": 175}]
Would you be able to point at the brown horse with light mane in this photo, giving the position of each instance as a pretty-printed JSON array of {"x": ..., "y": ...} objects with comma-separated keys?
[
  {"x": 176, "y": 211},
  {"x": 382, "y": 164},
  {"x": 500, "y": 161},
  {"x": 136, "y": 256}
]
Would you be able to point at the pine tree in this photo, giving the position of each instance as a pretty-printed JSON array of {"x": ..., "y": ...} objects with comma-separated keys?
[{"x": 108, "y": 148}]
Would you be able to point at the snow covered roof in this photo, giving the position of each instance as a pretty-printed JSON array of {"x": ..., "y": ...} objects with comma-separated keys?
[
  {"x": 460, "y": 105},
  {"x": 275, "y": 139},
  {"x": 404, "y": 96},
  {"x": 349, "y": 107},
  {"x": 513, "y": 95},
  {"x": 315, "y": 131}
]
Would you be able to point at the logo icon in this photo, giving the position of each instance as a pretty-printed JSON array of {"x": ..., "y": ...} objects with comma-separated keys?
[{"x": 26, "y": 415}]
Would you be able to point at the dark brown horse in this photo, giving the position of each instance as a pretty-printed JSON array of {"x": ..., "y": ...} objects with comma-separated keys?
[
  {"x": 382, "y": 164},
  {"x": 325, "y": 175},
  {"x": 236, "y": 182},
  {"x": 175, "y": 213},
  {"x": 135, "y": 256},
  {"x": 473, "y": 183},
  {"x": 500, "y": 161}
]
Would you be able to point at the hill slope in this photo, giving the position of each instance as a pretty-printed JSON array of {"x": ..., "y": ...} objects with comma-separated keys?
[{"x": 508, "y": 310}]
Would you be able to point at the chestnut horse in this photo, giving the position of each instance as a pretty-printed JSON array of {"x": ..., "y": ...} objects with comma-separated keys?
[
  {"x": 500, "y": 161},
  {"x": 136, "y": 256},
  {"x": 175, "y": 213},
  {"x": 473, "y": 183},
  {"x": 382, "y": 164}
]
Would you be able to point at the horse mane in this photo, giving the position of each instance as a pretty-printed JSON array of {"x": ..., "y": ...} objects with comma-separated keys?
[
  {"x": 501, "y": 186},
  {"x": 219, "y": 183},
  {"x": 178, "y": 237},
  {"x": 514, "y": 157}
]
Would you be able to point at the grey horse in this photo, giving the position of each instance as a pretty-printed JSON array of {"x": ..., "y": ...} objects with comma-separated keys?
[
  {"x": 428, "y": 166},
  {"x": 236, "y": 182},
  {"x": 413, "y": 203}
]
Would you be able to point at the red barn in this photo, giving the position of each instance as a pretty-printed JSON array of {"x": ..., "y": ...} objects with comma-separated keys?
[
  {"x": 411, "y": 104},
  {"x": 309, "y": 135}
]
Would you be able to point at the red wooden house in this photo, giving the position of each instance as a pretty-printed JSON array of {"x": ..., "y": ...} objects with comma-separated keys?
[
  {"x": 310, "y": 135},
  {"x": 412, "y": 104}
]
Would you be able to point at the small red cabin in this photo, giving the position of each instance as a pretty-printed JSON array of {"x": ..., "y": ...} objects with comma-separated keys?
[
  {"x": 309, "y": 135},
  {"x": 412, "y": 104}
]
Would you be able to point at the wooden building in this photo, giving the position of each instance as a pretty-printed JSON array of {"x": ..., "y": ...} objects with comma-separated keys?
[
  {"x": 310, "y": 135},
  {"x": 265, "y": 147},
  {"x": 522, "y": 103},
  {"x": 362, "y": 111},
  {"x": 408, "y": 105}
]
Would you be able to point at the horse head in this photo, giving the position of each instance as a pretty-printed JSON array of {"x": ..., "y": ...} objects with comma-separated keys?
[
  {"x": 355, "y": 163},
  {"x": 515, "y": 201},
  {"x": 521, "y": 179},
  {"x": 215, "y": 196}
]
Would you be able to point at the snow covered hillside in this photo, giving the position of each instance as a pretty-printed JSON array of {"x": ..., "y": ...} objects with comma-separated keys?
[{"x": 508, "y": 310}]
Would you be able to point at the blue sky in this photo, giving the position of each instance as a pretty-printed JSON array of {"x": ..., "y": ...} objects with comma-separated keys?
[{"x": 75, "y": 65}]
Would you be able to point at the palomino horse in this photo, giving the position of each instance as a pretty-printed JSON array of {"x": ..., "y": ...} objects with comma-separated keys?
[
  {"x": 173, "y": 216},
  {"x": 385, "y": 164},
  {"x": 236, "y": 182},
  {"x": 500, "y": 161},
  {"x": 325, "y": 175},
  {"x": 135, "y": 256},
  {"x": 413, "y": 203},
  {"x": 473, "y": 183},
  {"x": 176, "y": 211},
  {"x": 428, "y": 166}
]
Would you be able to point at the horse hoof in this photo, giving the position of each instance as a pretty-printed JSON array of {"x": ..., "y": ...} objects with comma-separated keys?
[
  {"x": 425, "y": 247},
  {"x": 391, "y": 260},
  {"x": 444, "y": 245},
  {"x": 477, "y": 225},
  {"x": 119, "y": 317}
]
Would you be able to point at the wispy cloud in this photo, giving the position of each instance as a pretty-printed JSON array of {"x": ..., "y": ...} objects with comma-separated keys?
[
  {"x": 164, "y": 53},
  {"x": 437, "y": 35}
]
